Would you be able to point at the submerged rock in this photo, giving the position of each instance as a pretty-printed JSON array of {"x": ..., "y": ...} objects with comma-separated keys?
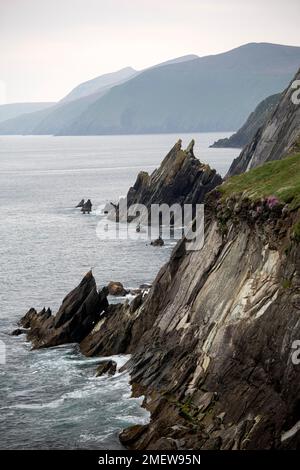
[{"x": 108, "y": 367}]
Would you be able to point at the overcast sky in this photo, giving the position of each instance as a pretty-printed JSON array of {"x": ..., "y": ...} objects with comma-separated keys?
[{"x": 49, "y": 46}]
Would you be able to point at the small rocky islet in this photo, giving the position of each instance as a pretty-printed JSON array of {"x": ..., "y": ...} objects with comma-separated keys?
[{"x": 211, "y": 340}]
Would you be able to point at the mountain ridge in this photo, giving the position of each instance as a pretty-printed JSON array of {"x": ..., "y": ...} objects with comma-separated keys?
[{"x": 210, "y": 93}]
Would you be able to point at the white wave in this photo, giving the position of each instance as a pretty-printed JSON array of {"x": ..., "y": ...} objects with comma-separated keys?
[{"x": 39, "y": 406}]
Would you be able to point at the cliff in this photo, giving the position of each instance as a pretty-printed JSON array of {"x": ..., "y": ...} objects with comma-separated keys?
[
  {"x": 277, "y": 137},
  {"x": 212, "y": 343},
  {"x": 248, "y": 130}
]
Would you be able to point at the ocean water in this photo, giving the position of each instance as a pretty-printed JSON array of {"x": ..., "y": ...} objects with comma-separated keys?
[{"x": 51, "y": 398}]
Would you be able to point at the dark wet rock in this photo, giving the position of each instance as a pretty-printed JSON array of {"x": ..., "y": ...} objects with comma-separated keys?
[
  {"x": 18, "y": 331},
  {"x": 158, "y": 242},
  {"x": 116, "y": 289},
  {"x": 87, "y": 207},
  {"x": 76, "y": 317},
  {"x": 108, "y": 367},
  {"x": 81, "y": 203}
]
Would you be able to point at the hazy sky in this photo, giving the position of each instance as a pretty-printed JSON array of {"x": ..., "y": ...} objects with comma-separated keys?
[{"x": 49, "y": 46}]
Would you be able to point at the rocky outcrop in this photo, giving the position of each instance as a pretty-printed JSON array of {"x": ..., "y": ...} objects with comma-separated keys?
[
  {"x": 257, "y": 118},
  {"x": 108, "y": 367},
  {"x": 87, "y": 207},
  {"x": 275, "y": 138},
  {"x": 180, "y": 179},
  {"x": 76, "y": 317}
]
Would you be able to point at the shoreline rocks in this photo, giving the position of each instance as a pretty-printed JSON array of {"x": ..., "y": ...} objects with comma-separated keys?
[
  {"x": 116, "y": 289},
  {"x": 108, "y": 367},
  {"x": 76, "y": 317}
]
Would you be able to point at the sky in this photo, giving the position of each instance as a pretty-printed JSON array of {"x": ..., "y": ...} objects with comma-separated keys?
[{"x": 47, "y": 47}]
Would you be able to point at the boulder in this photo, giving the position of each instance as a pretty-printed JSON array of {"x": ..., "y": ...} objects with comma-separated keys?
[{"x": 116, "y": 289}]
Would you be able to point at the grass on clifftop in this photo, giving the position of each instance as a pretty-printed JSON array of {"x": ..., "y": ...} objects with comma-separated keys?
[{"x": 277, "y": 178}]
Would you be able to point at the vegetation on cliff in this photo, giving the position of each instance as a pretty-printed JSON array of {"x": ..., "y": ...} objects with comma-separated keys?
[{"x": 277, "y": 178}]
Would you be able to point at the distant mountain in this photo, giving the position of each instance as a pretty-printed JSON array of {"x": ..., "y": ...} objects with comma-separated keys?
[
  {"x": 98, "y": 84},
  {"x": 55, "y": 118},
  {"x": 178, "y": 60},
  {"x": 214, "y": 93},
  {"x": 12, "y": 110},
  {"x": 256, "y": 119},
  {"x": 187, "y": 94}
]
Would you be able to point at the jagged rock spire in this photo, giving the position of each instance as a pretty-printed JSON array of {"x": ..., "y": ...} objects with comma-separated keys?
[{"x": 190, "y": 148}]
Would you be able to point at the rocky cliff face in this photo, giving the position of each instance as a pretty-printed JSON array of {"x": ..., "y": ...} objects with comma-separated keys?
[
  {"x": 212, "y": 342},
  {"x": 257, "y": 118},
  {"x": 275, "y": 138},
  {"x": 180, "y": 179},
  {"x": 215, "y": 364}
]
